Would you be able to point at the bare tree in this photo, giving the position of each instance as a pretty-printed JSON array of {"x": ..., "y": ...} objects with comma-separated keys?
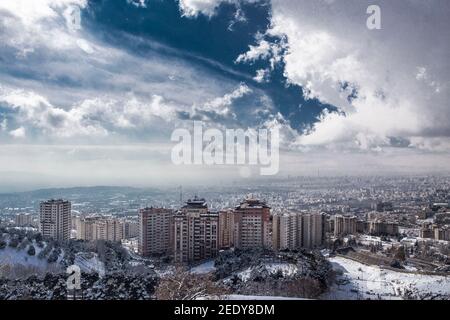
[{"x": 184, "y": 285}]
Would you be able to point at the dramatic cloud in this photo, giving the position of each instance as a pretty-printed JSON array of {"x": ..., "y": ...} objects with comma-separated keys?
[
  {"x": 191, "y": 8},
  {"x": 81, "y": 90},
  {"x": 60, "y": 81},
  {"x": 389, "y": 83},
  {"x": 130, "y": 118}
]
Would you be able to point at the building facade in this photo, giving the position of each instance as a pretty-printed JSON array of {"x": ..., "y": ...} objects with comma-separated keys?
[
  {"x": 109, "y": 229},
  {"x": 85, "y": 227},
  {"x": 93, "y": 228},
  {"x": 379, "y": 227},
  {"x": 344, "y": 225},
  {"x": 287, "y": 230},
  {"x": 226, "y": 229},
  {"x": 55, "y": 219},
  {"x": 23, "y": 219},
  {"x": 313, "y": 230},
  {"x": 195, "y": 232},
  {"x": 253, "y": 225},
  {"x": 154, "y": 231}
]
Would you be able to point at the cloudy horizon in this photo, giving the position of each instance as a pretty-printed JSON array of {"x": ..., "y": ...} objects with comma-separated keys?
[{"x": 94, "y": 100}]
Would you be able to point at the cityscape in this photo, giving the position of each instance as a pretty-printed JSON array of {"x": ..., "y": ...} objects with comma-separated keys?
[{"x": 300, "y": 237}]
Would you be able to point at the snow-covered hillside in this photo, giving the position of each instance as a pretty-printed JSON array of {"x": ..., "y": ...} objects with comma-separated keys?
[
  {"x": 12, "y": 256},
  {"x": 358, "y": 281},
  {"x": 89, "y": 262}
]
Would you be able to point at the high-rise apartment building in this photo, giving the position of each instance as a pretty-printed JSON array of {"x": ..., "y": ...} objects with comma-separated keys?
[
  {"x": 110, "y": 229},
  {"x": 287, "y": 230},
  {"x": 442, "y": 233},
  {"x": 130, "y": 229},
  {"x": 226, "y": 229},
  {"x": 313, "y": 230},
  {"x": 253, "y": 225},
  {"x": 194, "y": 232},
  {"x": 93, "y": 228},
  {"x": 154, "y": 231},
  {"x": 55, "y": 219},
  {"x": 85, "y": 227},
  {"x": 380, "y": 227},
  {"x": 24, "y": 219},
  {"x": 344, "y": 225}
]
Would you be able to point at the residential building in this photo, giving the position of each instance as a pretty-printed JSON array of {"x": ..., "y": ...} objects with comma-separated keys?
[
  {"x": 379, "y": 227},
  {"x": 253, "y": 225},
  {"x": 194, "y": 232},
  {"x": 287, "y": 230},
  {"x": 94, "y": 227},
  {"x": 24, "y": 219},
  {"x": 226, "y": 229},
  {"x": 110, "y": 229},
  {"x": 313, "y": 230},
  {"x": 85, "y": 227},
  {"x": 55, "y": 219},
  {"x": 130, "y": 229},
  {"x": 154, "y": 231},
  {"x": 344, "y": 225}
]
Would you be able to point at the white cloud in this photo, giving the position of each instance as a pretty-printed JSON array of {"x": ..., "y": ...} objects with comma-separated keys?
[
  {"x": 263, "y": 50},
  {"x": 18, "y": 133},
  {"x": 221, "y": 105},
  {"x": 77, "y": 90},
  {"x": 260, "y": 51},
  {"x": 191, "y": 8},
  {"x": 138, "y": 3},
  {"x": 93, "y": 118},
  {"x": 262, "y": 75},
  {"x": 100, "y": 118},
  {"x": 388, "y": 83},
  {"x": 31, "y": 12}
]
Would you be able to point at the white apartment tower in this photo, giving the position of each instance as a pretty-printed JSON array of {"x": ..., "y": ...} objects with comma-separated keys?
[
  {"x": 287, "y": 230},
  {"x": 109, "y": 229}
]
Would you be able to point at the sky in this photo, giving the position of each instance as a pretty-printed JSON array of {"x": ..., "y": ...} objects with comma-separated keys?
[{"x": 91, "y": 90}]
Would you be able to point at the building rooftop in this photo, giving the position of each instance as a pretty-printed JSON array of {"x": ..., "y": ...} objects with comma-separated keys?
[
  {"x": 252, "y": 203},
  {"x": 196, "y": 203}
]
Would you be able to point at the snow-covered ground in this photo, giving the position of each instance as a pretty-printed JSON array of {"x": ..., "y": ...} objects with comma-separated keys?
[
  {"x": 12, "y": 256},
  {"x": 359, "y": 281},
  {"x": 287, "y": 269},
  {"x": 245, "y": 275},
  {"x": 246, "y": 297},
  {"x": 89, "y": 262},
  {"x": 372, "y": 240},
  {"x": 243, "y": 297},
  {"x": 204, "y": 268}
]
